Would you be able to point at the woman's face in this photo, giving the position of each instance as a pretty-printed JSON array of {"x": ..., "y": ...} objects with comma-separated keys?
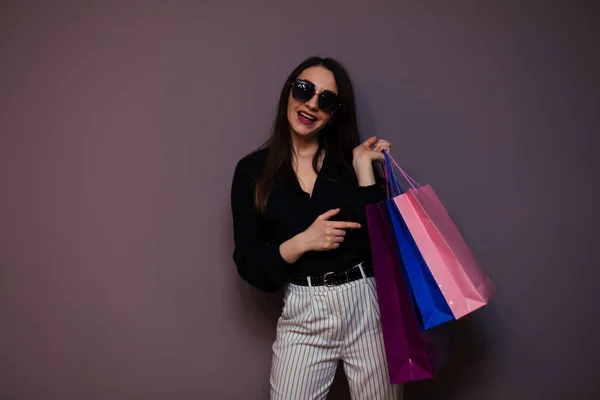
[{"x": 306, "y": 118}]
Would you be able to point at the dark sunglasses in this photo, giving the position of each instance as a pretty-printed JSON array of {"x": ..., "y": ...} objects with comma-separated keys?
[{"x": 303, "y": 91}]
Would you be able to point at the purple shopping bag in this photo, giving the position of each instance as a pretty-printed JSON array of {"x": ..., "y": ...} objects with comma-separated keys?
[{"x": 408, "y": 356}]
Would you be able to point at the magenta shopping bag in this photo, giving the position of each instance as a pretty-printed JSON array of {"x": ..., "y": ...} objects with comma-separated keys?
[
  {"x": 463, "y": 282},
  {"x": 409, "y": 356}
]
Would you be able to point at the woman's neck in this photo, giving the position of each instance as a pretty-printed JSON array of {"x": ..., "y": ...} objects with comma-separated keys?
[{"x": 305, "y": 147}]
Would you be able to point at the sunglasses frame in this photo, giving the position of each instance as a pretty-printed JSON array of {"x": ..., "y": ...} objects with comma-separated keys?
[{"x": 319, "y": 94}]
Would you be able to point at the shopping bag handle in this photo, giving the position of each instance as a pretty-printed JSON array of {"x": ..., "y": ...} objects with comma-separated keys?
[{"x": 392, "y": 180}]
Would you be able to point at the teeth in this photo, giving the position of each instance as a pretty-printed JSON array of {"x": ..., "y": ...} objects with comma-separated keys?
[{"x": 307, "y": 116}]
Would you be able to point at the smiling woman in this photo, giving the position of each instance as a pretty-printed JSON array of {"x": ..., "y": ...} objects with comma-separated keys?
[
  {"x": 314, "y": 103},
  {"x": 299, "y": 223}
]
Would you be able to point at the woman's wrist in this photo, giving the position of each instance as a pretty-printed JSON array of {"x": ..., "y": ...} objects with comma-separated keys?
[
  {"x": 363, "y": 168},
  {"x": 292, "y": 249},
  {"x": 300, "y": 244}
]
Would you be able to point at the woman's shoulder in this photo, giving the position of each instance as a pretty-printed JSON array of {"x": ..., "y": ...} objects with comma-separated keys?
[{"x": 251, "y": 164}]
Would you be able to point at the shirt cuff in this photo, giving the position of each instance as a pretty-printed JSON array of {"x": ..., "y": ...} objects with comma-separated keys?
[{"x": 280, "y": 270}]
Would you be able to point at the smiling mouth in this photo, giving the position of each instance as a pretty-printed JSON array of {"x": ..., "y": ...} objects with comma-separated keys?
[{"x": 306, "y": 118}]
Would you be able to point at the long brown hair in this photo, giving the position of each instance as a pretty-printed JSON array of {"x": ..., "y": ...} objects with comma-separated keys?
[{"x": 338, "y": 138}]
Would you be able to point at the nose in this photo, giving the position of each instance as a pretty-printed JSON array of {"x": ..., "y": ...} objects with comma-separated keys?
[{"x": 313, "y": 103}]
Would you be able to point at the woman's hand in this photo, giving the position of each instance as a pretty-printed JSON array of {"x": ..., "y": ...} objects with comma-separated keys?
[
  {"x": 363, "y": 156},
  {"x": 322, "y": 235},
  {"x": 370, "y": 150}
]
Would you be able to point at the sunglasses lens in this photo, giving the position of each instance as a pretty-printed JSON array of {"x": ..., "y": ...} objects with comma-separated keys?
[
  {"x": 303, "y": 91},
  {"x": 328, "y": 102}
]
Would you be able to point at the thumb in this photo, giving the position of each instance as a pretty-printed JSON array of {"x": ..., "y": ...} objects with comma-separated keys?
[
  {"x": 331, "y": 213},
  {"x": 370, "y": 141}
]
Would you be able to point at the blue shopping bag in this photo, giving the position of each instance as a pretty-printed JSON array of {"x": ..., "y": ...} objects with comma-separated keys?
[{"x": 430, "y": 305}]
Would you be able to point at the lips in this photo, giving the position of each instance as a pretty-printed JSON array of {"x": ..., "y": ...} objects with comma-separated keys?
[{"x": 306, "y": 118}]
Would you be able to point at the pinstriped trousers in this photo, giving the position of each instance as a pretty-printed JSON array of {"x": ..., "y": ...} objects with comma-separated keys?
[{"x": 321, "y": 326}]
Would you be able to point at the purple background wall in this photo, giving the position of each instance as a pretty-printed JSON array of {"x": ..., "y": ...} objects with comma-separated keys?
[{"x": 120, "y": 126}]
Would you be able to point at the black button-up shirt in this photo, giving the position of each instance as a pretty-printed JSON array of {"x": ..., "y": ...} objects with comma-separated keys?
[{"x": 290, "y": 210}]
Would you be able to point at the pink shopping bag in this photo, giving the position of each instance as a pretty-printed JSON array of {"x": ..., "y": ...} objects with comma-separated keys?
[{"x": 464, "y": 284}]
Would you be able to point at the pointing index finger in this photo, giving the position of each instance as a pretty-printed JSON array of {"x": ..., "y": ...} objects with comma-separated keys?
[{"x": 345, "y": 225}]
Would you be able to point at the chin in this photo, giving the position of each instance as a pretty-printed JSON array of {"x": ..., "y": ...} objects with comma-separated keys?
[
  {"x": 302, "y": 131},
  {"x": 305, "y": 131}
]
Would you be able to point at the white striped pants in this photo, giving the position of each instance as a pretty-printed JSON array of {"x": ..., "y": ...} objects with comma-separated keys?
[{"x": 322, "y": 325}]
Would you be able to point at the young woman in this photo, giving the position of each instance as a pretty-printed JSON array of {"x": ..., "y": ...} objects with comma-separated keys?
[{"x": 299, "y": 223}]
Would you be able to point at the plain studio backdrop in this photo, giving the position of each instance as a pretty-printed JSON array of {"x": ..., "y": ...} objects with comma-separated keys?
[{"x": 120, "y": 126}]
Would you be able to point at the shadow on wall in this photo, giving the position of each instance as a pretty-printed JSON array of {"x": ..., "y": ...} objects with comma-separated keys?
[
  {"x": 470, "y": 357},
  {"x": 257, "y": 308}
]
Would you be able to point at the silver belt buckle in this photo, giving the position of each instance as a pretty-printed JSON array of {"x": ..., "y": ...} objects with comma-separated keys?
[{"x": 325, "y": 279}]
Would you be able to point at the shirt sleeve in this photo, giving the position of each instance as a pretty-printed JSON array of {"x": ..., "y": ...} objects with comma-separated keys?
[
  {"x": 258, "y": 263},
  {"x": 364, "y": 195}
]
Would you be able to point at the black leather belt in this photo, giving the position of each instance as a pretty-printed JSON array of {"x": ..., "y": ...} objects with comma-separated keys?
[{"x": 336, "y": 278}]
